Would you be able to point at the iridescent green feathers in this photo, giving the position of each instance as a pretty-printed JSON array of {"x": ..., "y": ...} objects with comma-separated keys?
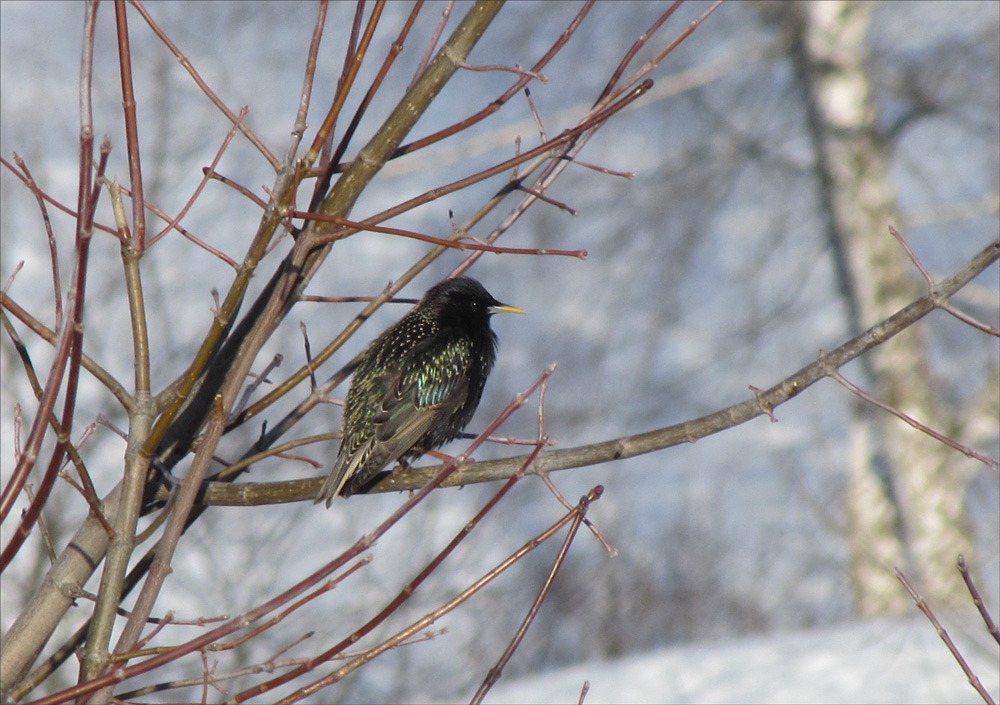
[{"x": 418, "y": 384}]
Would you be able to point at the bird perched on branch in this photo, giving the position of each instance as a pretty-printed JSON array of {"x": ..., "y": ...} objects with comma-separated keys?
[{"x": 418, "y": 384}]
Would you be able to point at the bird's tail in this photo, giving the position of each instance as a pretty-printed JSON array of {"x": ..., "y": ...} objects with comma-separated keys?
[{"x": 338, "y": 477}]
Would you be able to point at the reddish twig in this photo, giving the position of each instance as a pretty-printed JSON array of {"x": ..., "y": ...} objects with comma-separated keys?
[
  {"x": 655, "y": 61},
  {"x": 634, "y": 49},
  {"x": 499, "y": 102},
  {"x": 630, "y": 175},
  {"x": 352, "y": 227},
  {"x": 200, "y": 82},
  {"x": 239, "y": 188},
  {"x": 308, "y": 77},
  {"x": 543, "y": 438},
  {"x": 542, "y": 197},
  {"x": 977, "y": 599},
  {"x": 13, "y": 275},
  {"x": 515, "y": 69},
  {"x": 989, "y": 462},
  {"x": 435, "y": 37},
  {"x": 87, "y": 486},
  {"x": 49, "y": 336},
  {"x": 352, "y": 64},
  {"x": 932, "y": 289},
  {"x": 69, "y": 351},
  {"x": 925, "y": 608},
  {"x": 206, "y": 172},
  {"x": 931, "y": 286},
  {"x": 566, "y": 137},
  {"x": 141, "y": 650},
  {"x": 350, "y": 55},
  {"x": 216, "y": 678},
  {"x": 966, "y": 318},
  {"x": 53, "y": 252},
  {"x": 53, "y": 202},
  {"x": 394, "y": 49},
  {"x": 429, "y": 619},
  {"x": 408, "y": 590},
  {"x": 494, "y": 673},
  {"x": 321, "y": 590},
  {"x": 612, "y": 551}
]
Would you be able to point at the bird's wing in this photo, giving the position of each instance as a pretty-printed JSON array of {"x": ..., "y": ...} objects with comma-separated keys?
[{"x": 432, "y": 383}]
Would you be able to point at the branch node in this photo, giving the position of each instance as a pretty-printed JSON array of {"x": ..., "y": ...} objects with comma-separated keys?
[{"x": 762, "y": 405}]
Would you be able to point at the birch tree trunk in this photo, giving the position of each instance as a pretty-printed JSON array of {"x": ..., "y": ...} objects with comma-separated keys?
[{"x": 906, "y": 497}]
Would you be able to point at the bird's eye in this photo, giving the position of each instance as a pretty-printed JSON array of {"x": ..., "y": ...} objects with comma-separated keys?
[{"x": 475, "y": 304}]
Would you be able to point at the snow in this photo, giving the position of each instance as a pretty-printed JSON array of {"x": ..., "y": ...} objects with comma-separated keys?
[{"x": 879, "y": 661}]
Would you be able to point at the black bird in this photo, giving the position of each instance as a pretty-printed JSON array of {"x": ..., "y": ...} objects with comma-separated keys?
[{"x": 418, "y": 384}]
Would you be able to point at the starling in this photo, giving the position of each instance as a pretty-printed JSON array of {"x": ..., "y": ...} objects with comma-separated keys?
[{"x": 418, "y": 384}]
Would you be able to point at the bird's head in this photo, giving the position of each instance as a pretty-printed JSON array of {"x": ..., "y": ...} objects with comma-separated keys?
[{"x": 463, "y": 302}]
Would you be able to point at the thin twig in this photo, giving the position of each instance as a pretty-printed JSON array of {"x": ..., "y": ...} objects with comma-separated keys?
[
  {"x": 515, "y": 69},
  {"x": 655, "y": 61},
  {"x": 966, "y": 318},
  {"x": 103, "y": 376},
  {"x": 200, "y": 82},
  {"x": 977, "y": 599},
  {"x": 352, "y": 64},
  {"x": 494, "y": 673},
  {"x": 432, "y": 43},
  {"x": 257, "y": 381},
  {"x": 241, "y": 621},
  {"x": 499, "y": 102},
  {"x": 394, "y": 50},
  {"x": 925, "y": 608},
  {"x": 206, "y": 172},
  {"x": 634, "y": 49},
  {"x": 913, "y": 258},
  {"x": 427, "y": 620},
  {"x": 55, "y": 203},
  {"x": 355, "y": 226},
  {"x": 308, "y": 351},
  {"x": 989, "y": 462},
  {"x": 53, "y": 251}
]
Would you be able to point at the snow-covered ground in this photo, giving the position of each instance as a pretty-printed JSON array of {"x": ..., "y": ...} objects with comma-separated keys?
[{"x": 879, "y": 661}]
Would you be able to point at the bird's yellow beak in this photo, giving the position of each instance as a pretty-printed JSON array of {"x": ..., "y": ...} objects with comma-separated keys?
[{"x": 504, "y": 308}]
